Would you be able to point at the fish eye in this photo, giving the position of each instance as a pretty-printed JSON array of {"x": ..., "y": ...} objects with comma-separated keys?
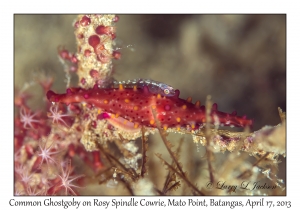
[{"x": 166, "y": 91}]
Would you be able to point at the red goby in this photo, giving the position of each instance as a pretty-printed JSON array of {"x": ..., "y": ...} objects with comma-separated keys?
[{"x": 135, "y": 104}]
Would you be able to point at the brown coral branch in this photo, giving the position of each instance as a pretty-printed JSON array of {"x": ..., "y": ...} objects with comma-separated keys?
[
  {"x": 170, "y": 177},
  {"x": 144, "y": 150},
  {"x": 248, "y": 172},
  {"x": 180, "y": 175},
  {"x": 281, "y": 114},
  {"x": 115, "y": 162},
  {"x": 173, "y": 187},
  {"x": 167, "y": 143},
  {"x": 208, "y": 136}
]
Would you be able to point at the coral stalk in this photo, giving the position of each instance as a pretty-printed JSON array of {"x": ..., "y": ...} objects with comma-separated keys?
[{"x": 95, "y": 36}]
